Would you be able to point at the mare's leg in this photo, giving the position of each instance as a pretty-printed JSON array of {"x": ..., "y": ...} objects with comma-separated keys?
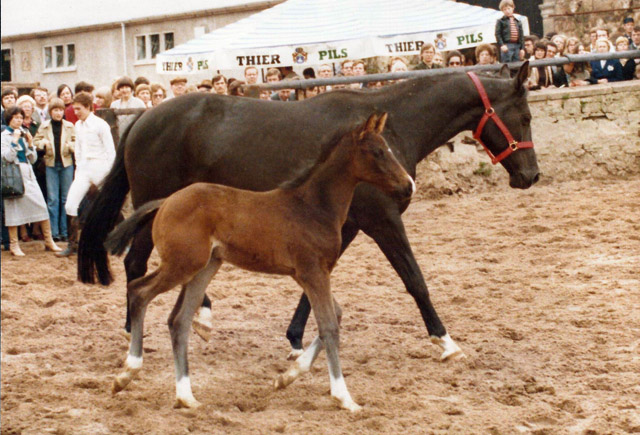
[
  {"x": 316, "y": 285},
  {"x": 135, "y": 264},
  {"x": 300, "y": 317},
  {"x": 388, "y": 232},
  {"x": 179, "y": 325},
  {"x": 139, "y": 293},
  {"x": 306, "y": 359}
]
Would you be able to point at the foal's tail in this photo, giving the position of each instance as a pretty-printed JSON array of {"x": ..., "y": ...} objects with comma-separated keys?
[
  {"x": 118, "y": 239},
  {"x": 100, "y": 218}
]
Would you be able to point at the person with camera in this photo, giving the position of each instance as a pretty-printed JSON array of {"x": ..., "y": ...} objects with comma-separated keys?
[{"x": 18, "y": 147}]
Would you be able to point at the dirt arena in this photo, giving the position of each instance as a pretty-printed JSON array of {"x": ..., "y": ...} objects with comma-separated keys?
[{"x": 540, "y": 288}]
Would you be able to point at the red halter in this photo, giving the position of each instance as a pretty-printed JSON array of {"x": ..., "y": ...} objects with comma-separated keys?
[{"x": 489, "y": 112}]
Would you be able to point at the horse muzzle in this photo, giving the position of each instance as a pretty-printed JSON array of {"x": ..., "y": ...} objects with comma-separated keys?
[{"x": 524, "y": 179}]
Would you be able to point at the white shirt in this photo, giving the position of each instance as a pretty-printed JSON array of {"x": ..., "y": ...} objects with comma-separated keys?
[{"x": 94, "y": 141}]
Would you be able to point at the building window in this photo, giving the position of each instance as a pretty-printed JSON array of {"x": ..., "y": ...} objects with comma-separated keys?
[
  {"x": 148, "y": 46},
  {"x": 59, "y": 57}
]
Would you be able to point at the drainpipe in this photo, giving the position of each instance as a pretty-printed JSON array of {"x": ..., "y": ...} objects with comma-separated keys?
[{"x": 124, "y": 49}]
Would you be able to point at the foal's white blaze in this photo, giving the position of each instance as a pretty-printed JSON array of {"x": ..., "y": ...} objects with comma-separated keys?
[
  {"x": 450, "y": 348},
  {"x": 341, "y": 394}
]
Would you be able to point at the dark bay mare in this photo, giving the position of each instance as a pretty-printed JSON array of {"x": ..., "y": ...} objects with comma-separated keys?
[
  {"x": 256, "y": 145},
  {"x": 293, "y": 230}
]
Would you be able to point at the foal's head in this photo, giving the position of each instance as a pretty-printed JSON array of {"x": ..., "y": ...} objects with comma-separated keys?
[{"x": 373, "y": 161}]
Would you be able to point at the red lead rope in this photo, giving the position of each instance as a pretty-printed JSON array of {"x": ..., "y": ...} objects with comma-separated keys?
[{"x": 490, "y": 113}]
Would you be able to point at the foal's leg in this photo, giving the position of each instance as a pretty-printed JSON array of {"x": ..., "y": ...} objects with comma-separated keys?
[
  {"x": 179, "y": 325},
  {"x": 135, "y": 264},
  {"x": 317, "y": 288},
  {"x": 295, "y": 331},
  {"x": 304, "y": 362},
  {"x": 140, "y": 292}
]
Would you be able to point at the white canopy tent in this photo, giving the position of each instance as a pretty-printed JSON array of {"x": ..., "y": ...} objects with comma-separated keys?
[{"x": 313, "y": 32}]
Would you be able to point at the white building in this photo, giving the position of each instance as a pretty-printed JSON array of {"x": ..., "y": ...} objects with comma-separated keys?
[{"x": 97, "y": 41}]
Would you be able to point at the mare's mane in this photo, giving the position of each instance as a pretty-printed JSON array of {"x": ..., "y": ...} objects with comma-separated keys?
[{"x": 306, "y": 172}]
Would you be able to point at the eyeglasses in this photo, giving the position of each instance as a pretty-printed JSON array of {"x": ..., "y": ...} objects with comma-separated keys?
[
  {"x": 158, "y": 95},
  {"x": 455, "y": 63}
]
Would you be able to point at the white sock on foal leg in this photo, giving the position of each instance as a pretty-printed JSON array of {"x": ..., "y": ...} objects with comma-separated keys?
[
  {"x": 340, "y": 393},
  {"x": 184, "y": 395}
]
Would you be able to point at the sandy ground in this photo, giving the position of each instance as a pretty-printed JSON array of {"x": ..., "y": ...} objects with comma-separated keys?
[{"x": 541, "y": 289}]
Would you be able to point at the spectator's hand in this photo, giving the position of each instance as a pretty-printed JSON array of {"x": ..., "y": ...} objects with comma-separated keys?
[
  {"x": 504, "y": 48},
  {"x": 47, "y": 147},
  {"x": 521, "y": 54},
  {"x": 16, "y": 135},
  {"x": 66, "y": 150},
  {"x": 601, "y": 81}
]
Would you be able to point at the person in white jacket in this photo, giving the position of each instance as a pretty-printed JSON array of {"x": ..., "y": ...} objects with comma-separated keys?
[{"x": 95, "y": 153}]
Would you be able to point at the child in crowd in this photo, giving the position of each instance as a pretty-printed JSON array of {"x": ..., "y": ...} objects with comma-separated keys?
[{"x": 509, "y": 35}]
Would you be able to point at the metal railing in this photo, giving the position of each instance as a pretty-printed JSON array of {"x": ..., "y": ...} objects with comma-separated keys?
[{"x": 561, "y": 60}]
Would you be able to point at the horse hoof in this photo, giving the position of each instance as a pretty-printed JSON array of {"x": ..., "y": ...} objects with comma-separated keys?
[
  {"x": 294, "y": 354},
  {"x": 120, "y": 383},
  {"x": 203, "y": 331},
  {"x": 281, "y": 382},
  {"x": 202, "y": 323},
  {"x": 349, "y": 405},
  {"x": 186, "y": 403},
  {"x": 452, "y": 356},
  {"x": 451, "y": 351}
]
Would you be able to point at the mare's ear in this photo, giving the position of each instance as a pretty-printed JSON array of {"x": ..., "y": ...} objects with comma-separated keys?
[
  {"x": 522, "y": 75},
  {"x": 370, "y": 125},
  {"x": 504, "y": 72},
  {"x": 381, "y": 122}
]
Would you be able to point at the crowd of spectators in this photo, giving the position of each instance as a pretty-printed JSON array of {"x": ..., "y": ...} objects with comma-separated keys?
[{"x": 50, "y": 118}]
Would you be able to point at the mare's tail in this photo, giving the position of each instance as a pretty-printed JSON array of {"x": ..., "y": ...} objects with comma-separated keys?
[
  {"x": 118, "y": 239},
  {"x": 100, "y": 218}
]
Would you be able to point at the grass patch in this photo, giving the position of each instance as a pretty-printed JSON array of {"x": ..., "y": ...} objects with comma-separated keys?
[{"x": 483, "y": 169}]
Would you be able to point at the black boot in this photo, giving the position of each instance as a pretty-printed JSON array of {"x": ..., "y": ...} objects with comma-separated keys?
[{"x": 72, "y": 247}]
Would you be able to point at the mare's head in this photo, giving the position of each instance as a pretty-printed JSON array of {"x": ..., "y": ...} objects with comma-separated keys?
[
  {"x": 510, "y": 143},
  {"x": 374, "y": 163}
]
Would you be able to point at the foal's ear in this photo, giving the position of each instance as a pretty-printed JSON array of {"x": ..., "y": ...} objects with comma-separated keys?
[
  {"x": 381, "y": 122},
  {"x": 504, "y": 72},
  {"x": 522, "y": 75}
]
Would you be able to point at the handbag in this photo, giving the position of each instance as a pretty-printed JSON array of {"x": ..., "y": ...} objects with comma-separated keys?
[{"x": 12, "y": 183}]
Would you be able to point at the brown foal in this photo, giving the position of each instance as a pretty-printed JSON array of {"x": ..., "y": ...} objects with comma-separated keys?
[{"x": 293, "y": 230}]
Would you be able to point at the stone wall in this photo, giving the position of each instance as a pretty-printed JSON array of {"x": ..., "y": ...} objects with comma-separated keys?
[
  {"x": 576, "y": 17},
  {"x": 584, "y": 132}
]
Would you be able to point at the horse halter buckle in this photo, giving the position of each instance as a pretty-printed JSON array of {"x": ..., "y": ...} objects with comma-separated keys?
[{"x": 490, "y": 113}]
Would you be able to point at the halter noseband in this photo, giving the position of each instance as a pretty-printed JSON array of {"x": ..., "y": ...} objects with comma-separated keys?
[{"x": 490, "y": 113}]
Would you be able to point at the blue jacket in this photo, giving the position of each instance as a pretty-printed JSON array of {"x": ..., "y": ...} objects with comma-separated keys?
[{"x": 612, "y": 71}]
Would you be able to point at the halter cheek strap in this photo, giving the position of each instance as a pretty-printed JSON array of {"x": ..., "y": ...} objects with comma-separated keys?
[{"x": 490, "y": 113}]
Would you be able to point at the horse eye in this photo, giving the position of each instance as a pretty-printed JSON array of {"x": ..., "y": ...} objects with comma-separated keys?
[
  {"x": 526, "y": 120},
  {"x": 377, "y": 153}
]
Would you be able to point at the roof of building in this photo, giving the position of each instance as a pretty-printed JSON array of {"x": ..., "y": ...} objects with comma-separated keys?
[{"x": 40, "y": 16}]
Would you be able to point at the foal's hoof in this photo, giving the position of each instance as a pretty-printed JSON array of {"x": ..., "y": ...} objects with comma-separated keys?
[
  {"x": 294, "y": 354},
  {"x": 120, "y": 382},
  {"x": 349, "y": 405},
  {"x": 451, "y": 351},
  {"x": 182, "y": 402},
  {"x": 202, "y": 323}
]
